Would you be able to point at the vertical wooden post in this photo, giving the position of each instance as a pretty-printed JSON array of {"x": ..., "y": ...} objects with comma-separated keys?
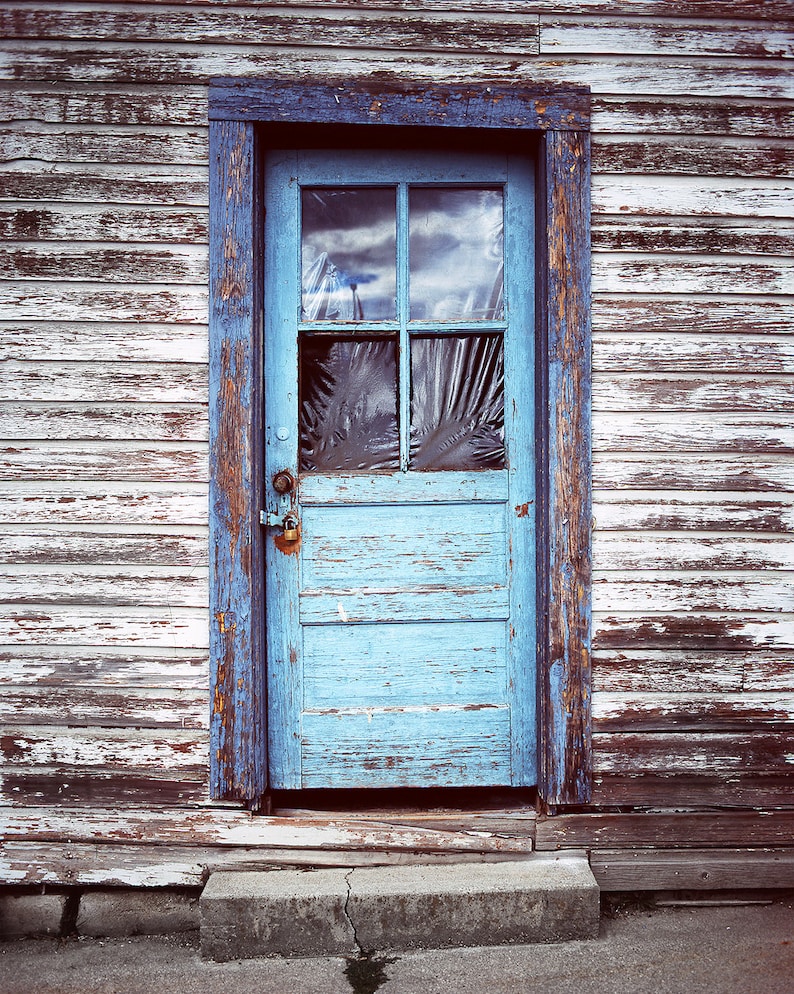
[
  {"x": 237, "y": 715},
  {"x": 565, "y": 745}
]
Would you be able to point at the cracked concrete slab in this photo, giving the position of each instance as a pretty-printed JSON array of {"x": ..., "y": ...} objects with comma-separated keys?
[{"x": 353, "y": 912}]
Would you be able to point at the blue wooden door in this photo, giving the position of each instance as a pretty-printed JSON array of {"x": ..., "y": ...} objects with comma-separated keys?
[{"x": 399, "y": 384}]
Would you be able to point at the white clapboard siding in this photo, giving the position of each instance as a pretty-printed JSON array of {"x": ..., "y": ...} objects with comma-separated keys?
[
  {"x": 657, "y": 550},
  {"x": 682, "y": 711},
  {"x": 106, "y": 666},
  {"x": 110, "y": 708},
  {"x": 126, "y": 225},
  {"x": 692, "y": 392},
  {"x": 691, "y": 115},
  {"x": 82, "y": 341},
  {"x": 182, "y": 628},
  {"x": 682, "y": 316},
  {"x": 694, "y": 471},
  {"x": 74, "y": 143},
  {"x": 671, "y": 592},
  {"x": 147, "y": 544},
  {"x": 96, "y": 183},
  {"x": 689, "y": 432},
  {"x": 123, "y": 105},
  {"x": 108, "y": 262},
  {"x": 689, "y": 156},
  {"x": 161, "y": 63},
  {"x": 167, "y": 422},
  {"x": 706, "y": 196},
  {"x": 617, "y": 272},
  {"x": 103, "y": 381},
  {"x": 152, "y": 586},
  {"x": 675, "y": 510},
  {"x": 103, "y": 461},
  {"x": 633, "y": 351},
  {"x": 94, "y": 502},
  {"x": 26, "y": 300},
  {"x": 638, "y": 233},
  {"x": 721, "y": 630}
]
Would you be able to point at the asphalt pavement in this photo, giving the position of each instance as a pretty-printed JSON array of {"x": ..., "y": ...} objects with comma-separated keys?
[{"x": 682, "y": 949}]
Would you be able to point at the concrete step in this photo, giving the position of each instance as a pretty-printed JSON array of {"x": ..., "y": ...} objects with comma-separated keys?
[{"x": 341, "y": 912}]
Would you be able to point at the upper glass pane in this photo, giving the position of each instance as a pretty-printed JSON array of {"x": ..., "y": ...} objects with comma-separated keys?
[
  {"x": 456, "y": 253},
  {"x": 348, "y": 254}
]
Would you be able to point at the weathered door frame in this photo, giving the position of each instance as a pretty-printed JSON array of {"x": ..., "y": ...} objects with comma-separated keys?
[{"x": 555, "y": 121}]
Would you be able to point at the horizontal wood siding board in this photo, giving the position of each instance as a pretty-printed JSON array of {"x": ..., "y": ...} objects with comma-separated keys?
[
  {"x": 26, "y": 787},
  {"x": 102, "y": 382},
  {"x": 160, "y": 63},
  {"x": 698, "y": 671},
  {"x": 71, "y": 423},
  {"x": 111, "y": 263},
  {"x": 76, "y": 143},
  {"x": 135, "y": 587},
  {"x": 655, "y": 551},
  {"x": 26, "y": 300},
  {"x": 741, "y": 473},
  {"x": 95, "y": 183},
  {"x": 622, "y": 351},
  {"x": 685, "y": 830},
  {"x": 129, "y": 224},
  {"x": 724, "y": 789},
  {"x": 680, "y": 315},
  {"x": 119, "y": 707},
  {"x": 740, "y": 869},
  {"x": 638, "y": 233},
  {"x": 155, "y": 545},
  {"x": 103, "y": 667},
  {"x": 699, "y": 630},
  {"x": 719, "y": 591},
  {"x": 517, "y": 107},
  {"x": 635, "y": 433},
  {"x": 174, "y": 103},
  {"x": 167, "y": 627},
  {"x": 627, "y": 712},
  {"x": 691, "y": 392},
  {"x": 96, "y": 503},
  {"x": 690, "y": 115},
  {"x": 681, "y": 196},
  {"x": 709, "y": 753},
  {"x": 103, "y": 461},
  {"x": 692, "y": 156},
  {"x": 248, "y": 25},
  {"x": 222, "y": 828}
]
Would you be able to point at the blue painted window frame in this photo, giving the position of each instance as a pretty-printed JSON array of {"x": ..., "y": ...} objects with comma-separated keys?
[{"x": 550, "y": 123}]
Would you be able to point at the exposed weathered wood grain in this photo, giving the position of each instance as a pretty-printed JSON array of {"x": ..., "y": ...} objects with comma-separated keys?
[
  {"x": 676, "y": 433},
  {"x": 681, "y": 511},
  {"x": 730, "y": 790},
  {"x": 78, "y": 143},
  {"x": 701, "y": 630},
  {"x": 709, "y": 196},
  {"x": 60, "y": 666},
  {"x": 27, "y": 300},
  {"x": 246, "y": 25},
  {"x": 616, "y": 272},
  {"x": 696, "y": 713},
  {"x": 102, "y": 382},
  {"x": 665, "y": 550},
  {"x": 728, "y": 353},
  {"x": 744, "y": 592},
  {"x": 690, "y": 156},
  {"x": 166, "y": 545},
  {"x": 637, "y": 233},
  {"x": 687, "y": 114},
  {"x": 165, "y": 626},
  {"x": 87, "y": 749},
  {"x": 149, "y": 503},
  {"x": 599, "y": 35},
  {"x": 80, "y": 341},
  {"x": 177, "y": 866},
  {"x": 224, "y": 828},
  {"x": 695, "y": 472},
  {"x": 47, "y": 222},
  {"x": 102, "y": 422},
  {"x": 103, "y": 461},
  {"x": 745, "y": 868},
  {"x": 132, "y": 585},
  {"x": 95, "y": 183},
  {"x": 704, "y": 392},
  {"x": 682, "y": 315},
  {"x": 700, "y": 671},
  {"x": 159, "y": 63},
  {"x": 690, "y": 830},
  {"x": 30, "y": 785},
  {"x": 118, "y": 707},
  {"x": 106, "y": 262},
  {"x": 175, "y": 103},
  {"x": 681, "y": 753}
]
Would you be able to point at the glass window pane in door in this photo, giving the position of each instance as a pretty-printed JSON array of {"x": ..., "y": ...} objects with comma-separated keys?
[
  {"x": 348, "y": 404},
  {"x": 456, "y": 253},
  {"x": 457, "y": 402},
  {"x": 348, "y": 254}
]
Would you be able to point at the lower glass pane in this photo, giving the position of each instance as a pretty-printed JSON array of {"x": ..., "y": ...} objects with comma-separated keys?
[
  {"x": 457, "y": 402},
  {"x": 348, "y": 404}
]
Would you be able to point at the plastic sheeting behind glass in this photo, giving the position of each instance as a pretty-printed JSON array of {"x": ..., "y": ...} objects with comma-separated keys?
[
  {"x": 348, "y": 404},
  {"x": 348, "y": 254},
  {"x": 456, "y": 253},
  {"x": 457, "y": 402}
]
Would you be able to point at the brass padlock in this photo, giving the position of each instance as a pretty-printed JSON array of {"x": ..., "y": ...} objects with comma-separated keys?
[{"x": 290, "y": 528}]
